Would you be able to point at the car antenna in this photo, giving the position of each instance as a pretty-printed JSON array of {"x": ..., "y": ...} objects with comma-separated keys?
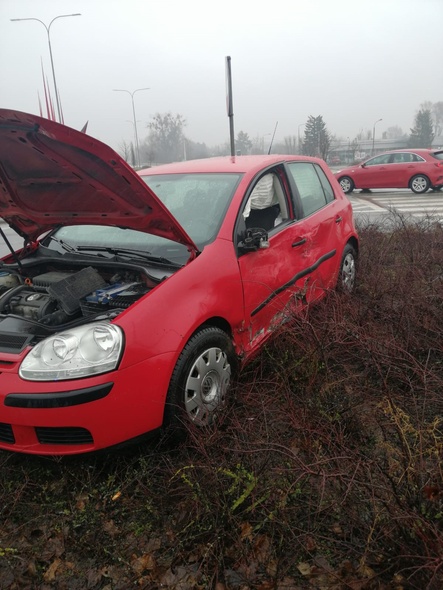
[
  {"x": 272, "y": 139},
  {"x": 13, "y": 252}
]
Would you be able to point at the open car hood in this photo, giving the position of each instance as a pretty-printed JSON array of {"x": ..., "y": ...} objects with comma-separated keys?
[{"x": 52, "y": 175}]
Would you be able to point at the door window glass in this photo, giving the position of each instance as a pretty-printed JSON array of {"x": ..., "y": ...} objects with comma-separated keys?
[
  {"x": 384, "y": 159},
  {"x": 310, "y": 188},
  {"x": 266, "y": 206},
  {"x": 402, "y": 158}
]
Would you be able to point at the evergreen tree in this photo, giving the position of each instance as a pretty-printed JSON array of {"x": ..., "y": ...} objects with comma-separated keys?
[
  {"x": 422, "y": 134},
  {"x": 243, "y": 144},
  {"x": 317, "y": 138}
]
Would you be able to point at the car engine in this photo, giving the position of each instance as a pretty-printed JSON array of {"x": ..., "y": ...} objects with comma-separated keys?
[{"x": 58, "y": 297}]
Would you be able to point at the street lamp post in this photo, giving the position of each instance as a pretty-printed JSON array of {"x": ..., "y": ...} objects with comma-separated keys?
[
  {"x": 131, "y": 94},
  {"x": 373, "y": 134},
  {"x": 47, "y": 27}
]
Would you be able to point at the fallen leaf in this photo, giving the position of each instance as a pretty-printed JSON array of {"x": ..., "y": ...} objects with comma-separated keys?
[
  {"x": 143, "y": 563},
  {"x": 49, "y": 575},
  {"x": 304, "y": 568}
]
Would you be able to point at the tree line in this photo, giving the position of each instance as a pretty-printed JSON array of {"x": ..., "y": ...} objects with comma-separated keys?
[{"x": 166, "y": 140}]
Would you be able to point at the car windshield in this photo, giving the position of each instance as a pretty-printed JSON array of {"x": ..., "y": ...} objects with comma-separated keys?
[
  {"x": 438, "y": 155},
  {"x": 198, "y": 201}
]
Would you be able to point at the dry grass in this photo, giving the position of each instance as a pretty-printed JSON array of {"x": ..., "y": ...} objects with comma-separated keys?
[{"x": 326, "y": 471}]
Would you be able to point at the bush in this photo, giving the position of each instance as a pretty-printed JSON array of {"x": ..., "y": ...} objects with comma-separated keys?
[{"x": 325, "y": 472}]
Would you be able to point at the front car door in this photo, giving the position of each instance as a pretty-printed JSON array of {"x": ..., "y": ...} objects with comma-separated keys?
[
  {"x": 376, "y": 173},
  {"x": 273, "y": 275}
]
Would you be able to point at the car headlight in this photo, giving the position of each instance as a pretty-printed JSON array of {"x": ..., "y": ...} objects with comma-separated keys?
[{"x": 80, "y": 352}]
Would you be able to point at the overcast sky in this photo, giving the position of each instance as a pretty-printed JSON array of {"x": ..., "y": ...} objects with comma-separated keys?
[{"x": 351, "y": 61}]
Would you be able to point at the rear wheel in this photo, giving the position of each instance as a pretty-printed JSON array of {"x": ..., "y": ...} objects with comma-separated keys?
[
  {"x": 347, "y": 184},
  {"x": 419, "y": 183},
  {"x": 200, "y": 382},
  {"x": 347, "y": 275}
]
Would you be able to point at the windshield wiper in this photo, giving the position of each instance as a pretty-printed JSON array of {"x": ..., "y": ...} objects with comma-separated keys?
[
  {"x": 67, "y": 247},
  {"x": 128, "y": 252}
]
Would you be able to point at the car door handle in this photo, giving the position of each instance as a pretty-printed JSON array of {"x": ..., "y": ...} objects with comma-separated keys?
[
  {"x": 300, "y": 242},
  {"x": 338, "y": 219}
]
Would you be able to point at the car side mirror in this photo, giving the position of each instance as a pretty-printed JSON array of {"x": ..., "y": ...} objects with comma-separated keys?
[{"x": 255, "y": 238}]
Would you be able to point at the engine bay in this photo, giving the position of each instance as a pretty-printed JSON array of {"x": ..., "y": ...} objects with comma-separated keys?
[{"x": 52, "y": 295}]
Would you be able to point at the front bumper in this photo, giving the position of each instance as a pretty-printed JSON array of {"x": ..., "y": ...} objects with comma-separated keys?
[{"x": 79, "y": 416}]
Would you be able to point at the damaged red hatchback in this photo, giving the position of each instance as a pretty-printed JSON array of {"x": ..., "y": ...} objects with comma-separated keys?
[{"x": 136, "y": 296}]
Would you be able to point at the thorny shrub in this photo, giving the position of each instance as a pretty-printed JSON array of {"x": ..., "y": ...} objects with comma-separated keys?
[{"x": 325, "y": 471}]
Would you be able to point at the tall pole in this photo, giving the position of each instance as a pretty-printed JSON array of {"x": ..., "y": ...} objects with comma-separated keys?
[
  {"x": 48, "y": 27},
  {"x": 272, "y": 138},
  {"x": 230, "y": 104},
  {"x": 131, "y": 94},
  {"x": 373, "y": 135}
]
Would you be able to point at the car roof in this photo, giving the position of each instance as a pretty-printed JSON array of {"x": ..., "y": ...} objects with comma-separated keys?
[
  {"x": 225, "y": 164},
  {"x": 410, "y": 150}
]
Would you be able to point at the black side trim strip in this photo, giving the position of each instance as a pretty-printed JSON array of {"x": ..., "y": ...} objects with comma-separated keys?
[
  {"x": 63, "y": 399},
  {"x": 294, "y": 279}
]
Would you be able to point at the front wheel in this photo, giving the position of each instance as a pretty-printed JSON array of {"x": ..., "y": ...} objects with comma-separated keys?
[
  {"x": 200, "y": 382},
  {"x": 347, "y": 184},
  {"x": 419, "y": 183},
  {"x": 347, "y": 274}
]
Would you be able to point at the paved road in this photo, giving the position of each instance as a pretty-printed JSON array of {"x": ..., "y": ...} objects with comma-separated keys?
[
  {"x": 368, "y": 207},
  {"x": 379, "y": 204}
]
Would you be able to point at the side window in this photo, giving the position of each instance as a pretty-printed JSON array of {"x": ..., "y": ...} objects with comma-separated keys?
[
  {"x": 401, "y": 158},
  {"x": 266, "y": 207},
  {"x": 378, "y": 160},
  {"x": 327, "y": 188},
  {"x": 310, "y": 187}
]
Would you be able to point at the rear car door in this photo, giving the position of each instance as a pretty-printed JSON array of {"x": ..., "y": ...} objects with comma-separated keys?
[
  {"x": 402, "y": 169},
  {"x": 322, "y": 224}
]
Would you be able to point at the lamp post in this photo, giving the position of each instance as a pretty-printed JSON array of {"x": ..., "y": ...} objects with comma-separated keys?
[
  {"x": 131, "y": 94},
  {"x": 373, "y": 134},
  {"x": 48, "y": 27}
]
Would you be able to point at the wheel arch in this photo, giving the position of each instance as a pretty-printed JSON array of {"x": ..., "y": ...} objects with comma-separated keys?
[{"x": 354, "y": 243}]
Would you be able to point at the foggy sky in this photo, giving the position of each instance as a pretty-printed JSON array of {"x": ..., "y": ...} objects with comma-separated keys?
[{"x": 351, "y": 61}]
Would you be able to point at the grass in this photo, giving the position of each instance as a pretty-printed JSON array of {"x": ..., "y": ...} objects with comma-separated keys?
[{"x": 324, "y": 472}]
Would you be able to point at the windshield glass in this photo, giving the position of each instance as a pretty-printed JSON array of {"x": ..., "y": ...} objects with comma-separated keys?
[{"x": 198, "y": 201}]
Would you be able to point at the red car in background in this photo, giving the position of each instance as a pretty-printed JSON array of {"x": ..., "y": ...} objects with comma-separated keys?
[
  {"x": 418, "y": 170},
  {"x": 135, "y": 297}
]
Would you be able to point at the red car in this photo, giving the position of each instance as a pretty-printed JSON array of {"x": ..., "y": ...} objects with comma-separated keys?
[
  {"x": 418, "y": 170},
  {"x": 136, "y": 297}
]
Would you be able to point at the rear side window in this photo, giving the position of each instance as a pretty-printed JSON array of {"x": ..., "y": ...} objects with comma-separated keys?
[{"x": 312, "y": 185}]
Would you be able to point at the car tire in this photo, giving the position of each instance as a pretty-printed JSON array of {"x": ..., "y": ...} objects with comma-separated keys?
[
  {"x": 347, "y": 184},
  {"x": 419, "y": 183},
  {"x": 348, "y": 270},
  {"x": 201, "y": 379}
]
